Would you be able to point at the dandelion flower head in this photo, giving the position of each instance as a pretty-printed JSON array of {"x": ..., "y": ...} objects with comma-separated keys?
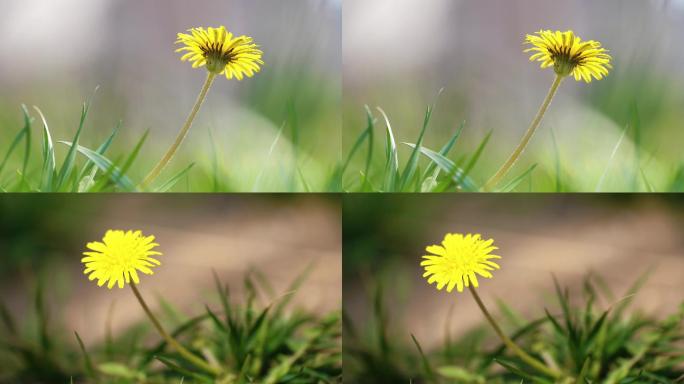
[
  {"x": 458, "y": 261},
  {"x": 119, "y": 256},
  {"x": 568, "y": 54},
  {"x": 221, "y": 52}
]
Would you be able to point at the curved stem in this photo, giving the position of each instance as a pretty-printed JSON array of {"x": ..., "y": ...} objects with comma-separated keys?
[
  {"x": 181, "y": 135},
  {"x": 187, "y": 355},
  {"x": 494, "y": 180},
  {"x": 536, "y": 364}
]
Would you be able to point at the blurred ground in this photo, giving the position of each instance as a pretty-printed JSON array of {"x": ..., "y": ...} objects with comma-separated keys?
[
  {"x": 618, "y": 238},
  {"x": 197, "y": 234}
]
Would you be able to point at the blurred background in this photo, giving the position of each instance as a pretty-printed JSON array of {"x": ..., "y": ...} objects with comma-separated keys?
[
  {"x": 618, "y": 238},
  {"x": 277, "y": 237},
  {"x": 398, "y": 54},
  {"x": 54, "y": 55}
]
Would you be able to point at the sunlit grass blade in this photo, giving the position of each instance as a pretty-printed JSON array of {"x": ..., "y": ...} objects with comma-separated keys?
[
  {"x": 609, "y": 163},
  {"x": 558, "y": 184},
  {"x": 170, "y": 183},
  {"x": 392, "y": 165},
  {"x": 517, "y": 371},
  {"x": 183, "y": 371},
  {"x": 444, "y": 151},
  {"x": 257, "y": 182},
  {"x": 515, "y": 182},
  {"x": 24, "y": 133},
  {"x": 68, "y": 164},
  {"x": 635, "y": 124},
  {"x": 448, "y": 166},
  {"x": 133, "y": 155},
  {"x": 476, "y": 155},
  {"x": 412, "y": 164},
  {"x": 89, "y": 168},
  {"x": 105, "y": 165},
  {"x": 649, "y": 186},
  {"x": 49, "y": 162}
]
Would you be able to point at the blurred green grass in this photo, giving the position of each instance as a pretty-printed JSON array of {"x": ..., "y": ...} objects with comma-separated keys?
[
  {"x": 250, "y": 341},
  {"x": 587, "y": 343},
  {"x": 300, "y": 156},
  {"x": 447, "y": 154}
]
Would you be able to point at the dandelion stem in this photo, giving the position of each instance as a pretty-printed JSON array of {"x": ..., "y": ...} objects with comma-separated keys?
[
  {"x": 189, "y": 356},
  {"x": 181, "y": 135},
  {"x": 494, "y": 180},
  {"x": 536, "y": 364}
]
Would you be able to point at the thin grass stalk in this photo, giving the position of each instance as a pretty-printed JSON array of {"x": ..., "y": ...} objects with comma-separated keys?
[
  {"x": 501, "y": 173},
  {"x": 182, "y": 134}
]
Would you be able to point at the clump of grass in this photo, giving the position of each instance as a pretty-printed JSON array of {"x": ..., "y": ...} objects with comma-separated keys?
[
  {"x": 438, "y": 174},
  {"x": 587, "y": 343},
  {"x": 251, "y": 342},
  {"x": 72, "y": 166}
]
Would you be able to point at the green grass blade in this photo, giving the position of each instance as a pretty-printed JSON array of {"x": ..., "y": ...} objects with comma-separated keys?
[
  {"x": 412, "y": 164},
  {"x": 28, "y": 121},
  {"x": 90, "y": 370},
  {"x": 448, "y": 167},
  {"x": 257, "y": 182},
  {"x": 515, "y": 182},
  {"x": 558, "y": 185},
  {"x": 392, "y": 166},
  {"x": 105, "y": 165},
  {"x": 368, "y": 132},
  {"x": 70, "y": 159},
  {"x": 649, "y": 186},
  {"x": 635, "y": 123},
  {"x": 49, "y": 162},
  {"x": 599, "y": 185},
  {"x": 429, "y": 372},
  {"x": 89, "y": 166},
  {"x": 24, "y": 132},
  {"x": 476, "y": 156},
  {"x": 444, "y": 151},
  {"x": 134, "y": 154},
  {"x": 186, "y": 372},
  {"x": 173, "y": 180}
]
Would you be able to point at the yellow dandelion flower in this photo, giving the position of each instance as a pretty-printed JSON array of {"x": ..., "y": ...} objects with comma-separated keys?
[
  {"x": 456, "y": 262},
  {"x": 568, "y": 54},
  {"x": 221, "y": 52},
  {"x": 119, "y": 256}
]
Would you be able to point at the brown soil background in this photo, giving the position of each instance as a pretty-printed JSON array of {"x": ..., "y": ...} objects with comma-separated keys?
[
  {"x": 538, "y": 236},
  {"x": 279, "y": 236}
]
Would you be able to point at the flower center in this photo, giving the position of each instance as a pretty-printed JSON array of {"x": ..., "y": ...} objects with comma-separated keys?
[
  {"x": 563, "y": 63},
  {"x": 217, "y": 58}
]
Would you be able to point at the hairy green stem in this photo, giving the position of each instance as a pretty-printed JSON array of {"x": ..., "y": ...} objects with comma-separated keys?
[
  {"x": 187, "y": 355},
  {"x": 181, "y": 135},
  {"x": 494, "y": 180},
  {"x": 536, "y": 364}
]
